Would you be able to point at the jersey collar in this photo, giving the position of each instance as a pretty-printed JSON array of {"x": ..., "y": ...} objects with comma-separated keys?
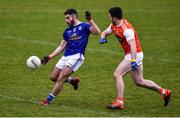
[{"x": 78, "y": 23}]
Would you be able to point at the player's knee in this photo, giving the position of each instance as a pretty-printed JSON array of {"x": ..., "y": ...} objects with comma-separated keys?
[
  {"x": 61, "y": 78},
  {"x": 117, "y": 75},
  {"x": 53, "y": 78},
  {"x": 139, "y": 83}
]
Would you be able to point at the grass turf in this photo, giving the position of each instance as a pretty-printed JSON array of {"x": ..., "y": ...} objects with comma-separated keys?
[{"x": 34, "y": 27}]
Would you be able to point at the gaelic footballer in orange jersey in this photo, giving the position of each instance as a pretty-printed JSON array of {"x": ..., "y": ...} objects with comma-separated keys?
[
  {"x": 124, "y": 32},
  {"x": 132, "y": 62}
]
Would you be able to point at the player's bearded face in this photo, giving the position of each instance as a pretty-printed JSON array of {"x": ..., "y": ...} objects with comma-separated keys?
[{"x": 69, "y": 20}]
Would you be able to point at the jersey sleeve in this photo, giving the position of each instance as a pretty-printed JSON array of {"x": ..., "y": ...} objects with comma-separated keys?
[
  {"x": 108, "y": 30},
  {"x": 87, "y": 27},
  {"x": 129, "y": 34},
  {"x": 65, "y": 36}
]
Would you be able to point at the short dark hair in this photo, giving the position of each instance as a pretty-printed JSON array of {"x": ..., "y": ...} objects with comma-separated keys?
[
  {"x": 70, "y": 12},
  {"x": 116, "y": 12}
]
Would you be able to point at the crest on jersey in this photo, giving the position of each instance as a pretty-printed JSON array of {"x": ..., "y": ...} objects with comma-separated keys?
[
  {"x": 74, "y": 29},
  {"x": 80, "y": 27}
]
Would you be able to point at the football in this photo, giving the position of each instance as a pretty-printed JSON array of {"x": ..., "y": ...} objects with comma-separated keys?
[{"x": 33, "y": 62}]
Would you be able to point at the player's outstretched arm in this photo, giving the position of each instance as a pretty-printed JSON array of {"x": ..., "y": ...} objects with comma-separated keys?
[
  {"x": 94, "y": 27},
  {"x": 105, "y": 34},
  {"x": 57, "y": 51}
]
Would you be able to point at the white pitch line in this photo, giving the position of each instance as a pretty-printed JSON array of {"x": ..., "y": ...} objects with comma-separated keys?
[
  {"x": 57, "y": 107},
  {"x": 55, "y": 44},
  {"x": 29, "y": 41},
  {"x": 18, "y": 99},
  {"x": 89, "y": 49}
]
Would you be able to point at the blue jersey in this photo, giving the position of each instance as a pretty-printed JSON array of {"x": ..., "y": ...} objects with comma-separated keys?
[{"x": 77, "y": 38}]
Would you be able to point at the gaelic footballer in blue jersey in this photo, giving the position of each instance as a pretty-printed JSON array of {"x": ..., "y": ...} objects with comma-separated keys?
[{"x": 75, "y": 40}]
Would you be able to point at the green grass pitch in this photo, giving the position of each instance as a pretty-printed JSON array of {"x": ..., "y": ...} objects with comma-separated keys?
[{"x": 34, "y": 27}]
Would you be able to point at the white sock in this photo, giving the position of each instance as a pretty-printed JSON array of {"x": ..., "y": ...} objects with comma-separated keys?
[{"x": 69, "y": 79}]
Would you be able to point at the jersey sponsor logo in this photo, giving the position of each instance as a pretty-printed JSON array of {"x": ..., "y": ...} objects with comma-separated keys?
[
  {"x": 74, "y": 36},
  {"x": 69, "y": 31}
]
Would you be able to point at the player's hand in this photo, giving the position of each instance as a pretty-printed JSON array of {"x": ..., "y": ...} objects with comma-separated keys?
[
  {"x": 88, "y": 15},
  {"x": 45, "y": 59},
  {"x": 102, "y": 40},
  {"x": 134, "y": 65}
]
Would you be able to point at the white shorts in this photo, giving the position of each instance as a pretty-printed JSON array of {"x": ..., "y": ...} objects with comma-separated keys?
[
  {"x": 73, "y": 61},
  {"x": 139, "y": 57}
]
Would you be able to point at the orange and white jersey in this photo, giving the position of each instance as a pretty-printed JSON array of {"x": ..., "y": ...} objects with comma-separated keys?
[{"x": 124, "y": 33}]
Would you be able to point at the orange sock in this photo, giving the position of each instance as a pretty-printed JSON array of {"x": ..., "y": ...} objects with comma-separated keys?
[{"x": 120, "y": 100}]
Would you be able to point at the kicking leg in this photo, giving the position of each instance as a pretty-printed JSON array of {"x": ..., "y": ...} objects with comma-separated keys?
[
  {"x": 74, "y": 64},
  {"x": 55, "y": 74},
  {"x": 62, "y": 77},
  {"x": 72, "y": 80},
  {"x": 58, "y": 85}
]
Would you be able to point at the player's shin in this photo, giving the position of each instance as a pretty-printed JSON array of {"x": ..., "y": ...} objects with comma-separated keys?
[{"x": 57, "y": 87}]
